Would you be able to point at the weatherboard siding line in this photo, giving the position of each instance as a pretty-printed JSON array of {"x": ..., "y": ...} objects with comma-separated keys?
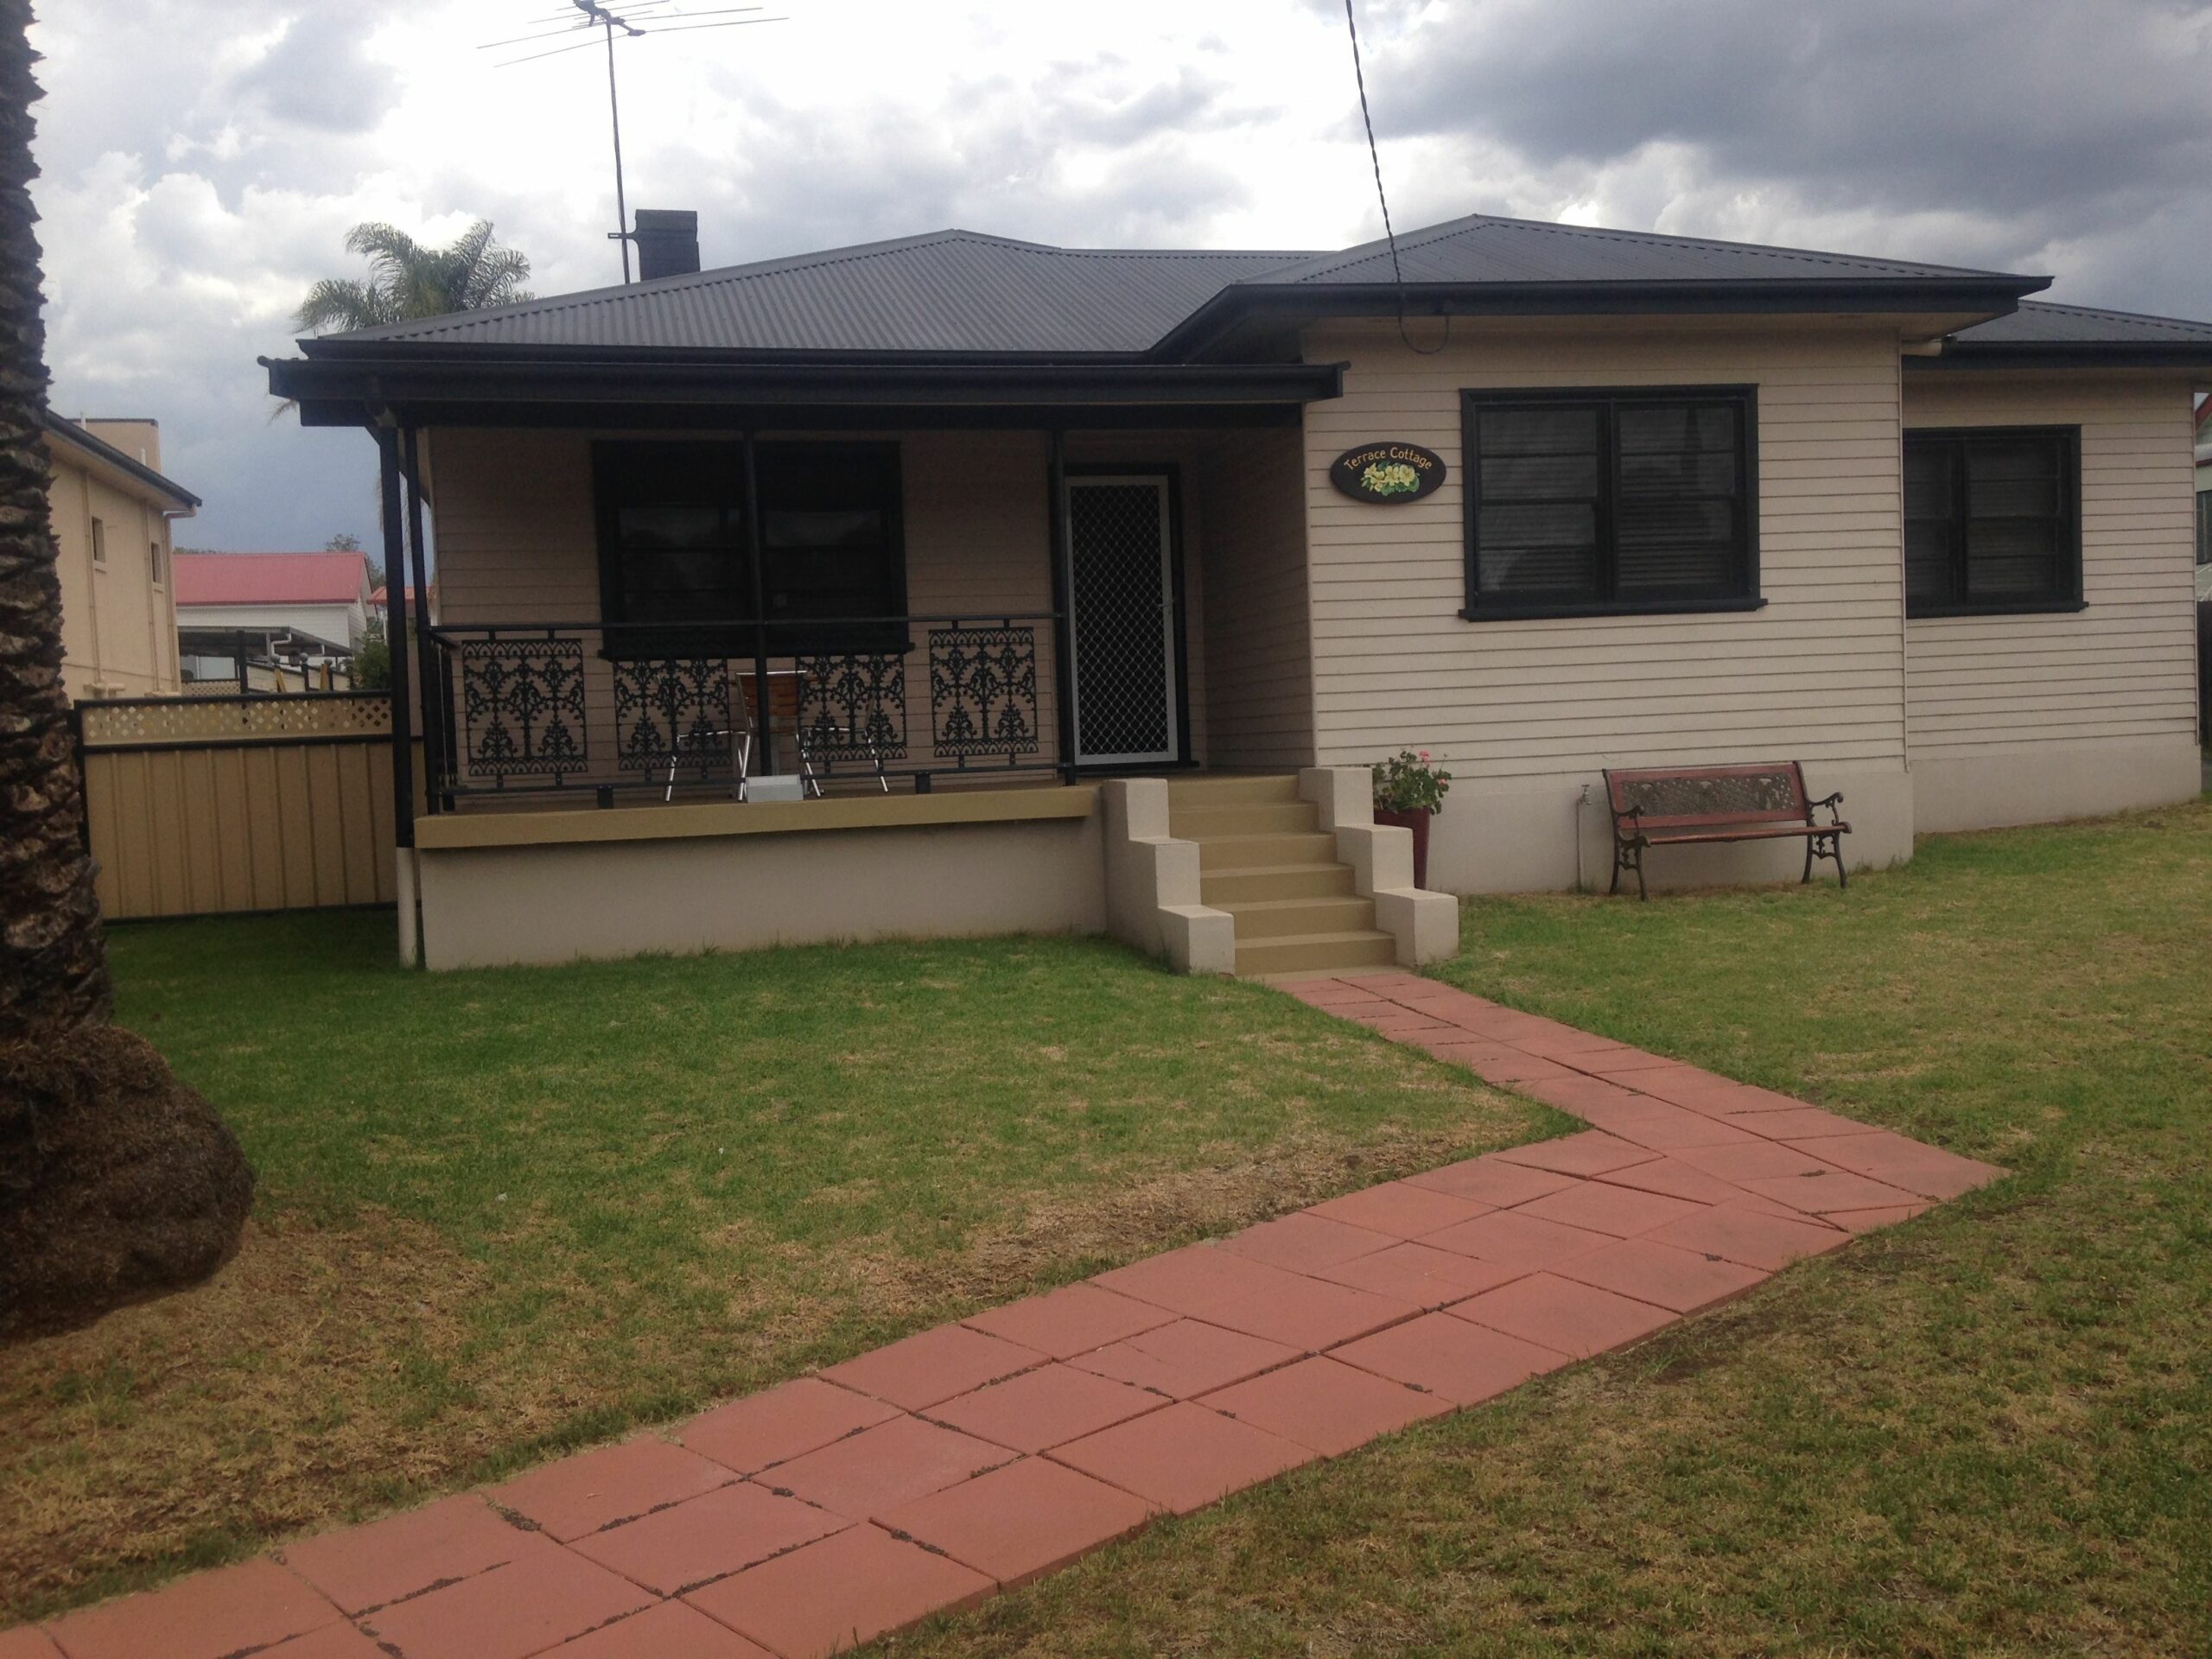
[
  {"x": 1396, "y": 666},
  {"x": 2124, "y": 666}
]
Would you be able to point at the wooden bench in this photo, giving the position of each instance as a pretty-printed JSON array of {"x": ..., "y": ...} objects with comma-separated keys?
[{"x": 1680, "y": 806}]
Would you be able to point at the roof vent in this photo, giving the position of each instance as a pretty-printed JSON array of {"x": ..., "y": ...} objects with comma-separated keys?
[{"x": 667, "y": 242}]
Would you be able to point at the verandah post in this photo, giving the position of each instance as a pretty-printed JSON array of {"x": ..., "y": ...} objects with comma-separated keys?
[
  {"x": 395, "y": 560},
  {"x": 765, "y": 714},
  {"x": 1062, "y": 619},
  {"x": 425, "y": 647}
]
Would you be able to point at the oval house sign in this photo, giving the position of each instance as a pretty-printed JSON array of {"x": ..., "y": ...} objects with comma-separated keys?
[{"x": 1388, "y": 473}]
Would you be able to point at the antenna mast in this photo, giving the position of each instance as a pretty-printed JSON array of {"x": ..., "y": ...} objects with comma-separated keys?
[{"x": 660, "y": 16}]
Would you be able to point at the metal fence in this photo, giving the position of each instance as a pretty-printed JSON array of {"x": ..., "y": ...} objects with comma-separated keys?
[{"x": 212, "y": 806}]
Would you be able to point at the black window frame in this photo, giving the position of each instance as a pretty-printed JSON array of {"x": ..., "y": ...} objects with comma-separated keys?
[
  {"x": 1605, "y": 599},
  {"x": 867, "y": 632},
  {"x": 2070, "y": 598}
]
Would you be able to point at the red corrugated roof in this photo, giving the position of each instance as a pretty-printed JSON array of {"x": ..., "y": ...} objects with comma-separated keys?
[{"x": 269, "y": 578}]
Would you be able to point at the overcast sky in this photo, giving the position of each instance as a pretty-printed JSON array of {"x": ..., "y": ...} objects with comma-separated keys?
[{"x": 203, "y": 159}]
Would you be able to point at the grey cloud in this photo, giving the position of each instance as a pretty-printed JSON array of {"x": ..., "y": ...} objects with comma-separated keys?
[
  {"x": 1982, "y": 105},
  {"x": 317, "y": 76}
]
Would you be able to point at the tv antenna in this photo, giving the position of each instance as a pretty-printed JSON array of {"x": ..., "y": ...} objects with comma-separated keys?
[{"x": 632, "y": 21}]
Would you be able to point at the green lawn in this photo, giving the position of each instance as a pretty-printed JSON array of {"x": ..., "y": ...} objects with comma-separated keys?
[
  {"x": 506, "y": 1213},
  {"x": 1988, "y": 1432}
]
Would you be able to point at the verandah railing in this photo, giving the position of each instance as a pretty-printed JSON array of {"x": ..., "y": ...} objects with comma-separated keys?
[{"x": 698, "y": 705}]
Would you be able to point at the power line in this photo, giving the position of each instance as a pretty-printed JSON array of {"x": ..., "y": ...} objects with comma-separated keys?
[{"x": 1375, "y": 156}]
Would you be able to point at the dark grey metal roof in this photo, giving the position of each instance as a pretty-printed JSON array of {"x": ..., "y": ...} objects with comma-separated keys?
[
  {"x": 957, "y": 293},
  {"x": 952, "y": 292},
  {"x": 1481, "y": 248},
  {"x": 2043, "y": 323}
]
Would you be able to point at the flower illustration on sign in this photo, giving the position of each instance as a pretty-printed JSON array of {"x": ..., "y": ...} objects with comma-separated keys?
[{"x": 1393, "y": 478}]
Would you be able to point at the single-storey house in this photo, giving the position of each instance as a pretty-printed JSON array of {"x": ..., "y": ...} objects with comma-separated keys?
[
  {"x": 302, "y": 611},
  {"x": 1075, "y": 588}
]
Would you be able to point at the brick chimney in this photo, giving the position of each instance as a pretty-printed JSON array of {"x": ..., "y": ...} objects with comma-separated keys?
[{"x": 667, "y": 242}]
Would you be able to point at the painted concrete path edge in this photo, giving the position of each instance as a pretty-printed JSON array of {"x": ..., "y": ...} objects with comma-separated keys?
[{"x": 927, "y": 1476}]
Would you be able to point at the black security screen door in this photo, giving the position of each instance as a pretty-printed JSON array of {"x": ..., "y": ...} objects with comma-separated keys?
[{"x": 1121, "y": 592}]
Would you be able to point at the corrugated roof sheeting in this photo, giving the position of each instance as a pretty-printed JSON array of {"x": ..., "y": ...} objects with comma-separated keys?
[
  {"x": 960, "y": 293},
  {"x": 2042, "y": 323}
]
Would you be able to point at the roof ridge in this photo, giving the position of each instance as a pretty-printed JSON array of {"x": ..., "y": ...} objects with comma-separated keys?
[{"x": 1360, "y": 253}]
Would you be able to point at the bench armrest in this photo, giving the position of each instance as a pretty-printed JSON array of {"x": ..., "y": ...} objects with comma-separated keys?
[
  {"x": 1833, "y": 803},
  {"x": 1628, "y": 823}
]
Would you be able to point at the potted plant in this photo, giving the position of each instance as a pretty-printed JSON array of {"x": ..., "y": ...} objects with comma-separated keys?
[{"x": 1409, "y": 791}]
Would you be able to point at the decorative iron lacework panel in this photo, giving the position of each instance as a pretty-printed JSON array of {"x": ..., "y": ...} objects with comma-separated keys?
[
  {"x": 982, "y": 691},
  {"x": 188, "y": 720},
  {"x": 521, "y": 707},
  {"x": 1121, "y": 688},
  {"x": 852, "y": 706},
  {"x": 676, "y": 710},
  {"x": 1669, "y": 797}
]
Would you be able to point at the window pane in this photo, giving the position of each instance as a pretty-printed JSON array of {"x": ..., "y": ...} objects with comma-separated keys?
[
  {"x": 1927, "y": 576},
  {"x": 1570, "y": 430},
  {"x": 2012, "y": 559},
  {"x": 818, "y": 528},
  {"x": 1927, "y": 480},
  {"x": 1685, "y": 547},
  {"x": 1522, "y": 477},
  {"x": 1538, "y": 550},
  {"x": 676, "y": 527}
]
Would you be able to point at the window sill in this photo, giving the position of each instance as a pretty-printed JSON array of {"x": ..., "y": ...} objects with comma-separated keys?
[
  {"x": 1633, "y": 607},
  {"x": 2026, "y": 607}
]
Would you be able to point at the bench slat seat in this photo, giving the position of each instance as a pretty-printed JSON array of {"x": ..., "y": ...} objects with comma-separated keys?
[{"x": 1672, "y": 806}]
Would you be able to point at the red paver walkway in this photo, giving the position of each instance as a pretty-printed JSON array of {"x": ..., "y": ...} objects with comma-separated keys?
[{"x": 928, "y": 1475}]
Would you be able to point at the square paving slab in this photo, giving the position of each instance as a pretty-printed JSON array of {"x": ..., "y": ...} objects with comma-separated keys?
[
  {"x": 1041, "y": 1408},
  {"x": 707, "y": 1537},
  {"x": 1023, "y": 1520},
  {"x": 1182, "y": 1457},
  {"x": 831, "y": 1596},
  {"x": 593, "y": 1489},
  {"x": 750, "y": 1434},
  {"x": 1324, "y": 1405}
]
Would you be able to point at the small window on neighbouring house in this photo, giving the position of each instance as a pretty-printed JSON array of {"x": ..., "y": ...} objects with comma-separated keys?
[
  {"x": 2204, "y": 526},
  {"x": 154, "y": 562},
  {"x": 674, "y": 547},
  {"x": 1992, "y": 520},
  {"x": 1608, "y": 501},
  {"x": 100, "y": 543}
]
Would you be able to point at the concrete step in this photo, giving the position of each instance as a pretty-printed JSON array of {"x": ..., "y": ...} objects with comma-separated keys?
[
  {"x": 1276, "y": 919},
  {"x": 1242, "y": 852},
  {"x": 1296, "y": 953},
  {"x": 1265, "y": 881},
  {"x": 1225, "y": 791},
  {"x": 1206, "y": 821}
]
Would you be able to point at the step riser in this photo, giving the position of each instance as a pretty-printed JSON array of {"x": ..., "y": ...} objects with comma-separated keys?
[
  {"x": 1226, "y": 791},
  {"x": 1305, "y": 956},
  {"x": 1305, "y": 916},
  {"x": 1242, "y": 818},
  {"x": 1242, "y": 852},
  {"x": 1309, "y": 881}
]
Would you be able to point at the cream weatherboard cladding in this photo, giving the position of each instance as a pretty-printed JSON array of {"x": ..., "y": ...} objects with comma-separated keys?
[
  {"x": 1525, "y": 712},
  {"x": 2015, "y": 717}
]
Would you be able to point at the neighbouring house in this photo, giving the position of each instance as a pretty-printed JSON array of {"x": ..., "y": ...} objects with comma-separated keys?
[
  {"x": 381, "y": 603},
  {"x": 111, "y": 511},
  {"x": 1089, "y": 581},
  {"x": 293, "y": 619}
]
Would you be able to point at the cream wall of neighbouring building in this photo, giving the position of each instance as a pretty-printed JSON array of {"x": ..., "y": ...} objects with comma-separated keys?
[{"x": 118, "y": 618}]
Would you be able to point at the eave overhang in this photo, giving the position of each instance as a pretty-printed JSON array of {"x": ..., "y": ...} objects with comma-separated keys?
[
  {"x": 1243, "y": 311},
  {"x": 511, "y": 387},
  {"x": 1963, "y": 354}
]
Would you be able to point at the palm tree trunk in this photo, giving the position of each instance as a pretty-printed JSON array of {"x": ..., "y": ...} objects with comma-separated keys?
[{"x": 116, "y": 1181}]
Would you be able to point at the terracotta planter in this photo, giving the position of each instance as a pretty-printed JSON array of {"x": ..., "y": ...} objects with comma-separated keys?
[{"x": 1417, "y": 821}]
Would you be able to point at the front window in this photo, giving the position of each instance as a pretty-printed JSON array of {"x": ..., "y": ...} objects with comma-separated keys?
[
  {"x": 1610, "y": 501},
  {"x": 1992, "y": 521},
  {"x": 676, "y": 540}
]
